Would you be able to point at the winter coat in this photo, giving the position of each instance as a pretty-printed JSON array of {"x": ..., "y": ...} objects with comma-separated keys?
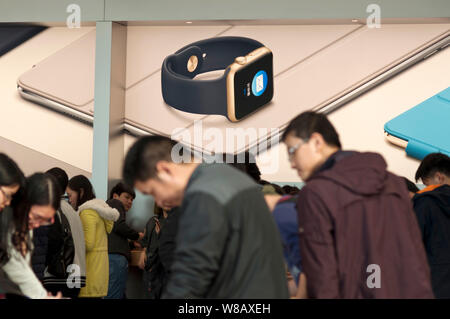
[
  {"x": 98, "y": 219},
  {"x": 56, "y": 240},
  {"x": 227, "y": 244},
  {"x": 167, "y": 242},
  {"x": 38, "y": 258},
  {"x": 156, "y": 272},
  {"x": 118, "y": 238},
  {"x": 359, "y": 237},
  {"x": 432, "y": 206},
  {"x": 160, "y": 249}
]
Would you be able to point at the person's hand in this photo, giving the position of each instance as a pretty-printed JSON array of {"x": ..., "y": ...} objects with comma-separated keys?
[
  {"x": 302, "y": 292},
  {"x": 289, "y": 276},
  {"x": 292, "y": 287},
  {"x": 57, "y": 296},
  {"x": 136, "y": 244},
  {"x": 272, "y": 200},
  {"x": 141, "y": 263},
  {"x": 141, "y": 235}
]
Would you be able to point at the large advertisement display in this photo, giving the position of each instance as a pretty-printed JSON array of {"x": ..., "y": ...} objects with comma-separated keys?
[
  {"x": 218, "y": 87},
  {"x": 327, "y": 118}
]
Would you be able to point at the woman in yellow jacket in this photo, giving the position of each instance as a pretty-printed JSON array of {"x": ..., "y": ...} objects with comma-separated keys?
[{"x": 98, "y": 220}]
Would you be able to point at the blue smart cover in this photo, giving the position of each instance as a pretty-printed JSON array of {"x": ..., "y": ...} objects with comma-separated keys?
[{"x": 426, "y": 126}]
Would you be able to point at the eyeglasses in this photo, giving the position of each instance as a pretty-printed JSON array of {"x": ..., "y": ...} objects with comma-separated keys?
[
  {"x": 291, "y": 150},
  {"x": 8, "y": 197},
  {"x": 40, "y": 220}
]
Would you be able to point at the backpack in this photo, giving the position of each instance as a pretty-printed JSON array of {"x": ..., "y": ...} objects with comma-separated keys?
[{"x": 61, "y": 247}]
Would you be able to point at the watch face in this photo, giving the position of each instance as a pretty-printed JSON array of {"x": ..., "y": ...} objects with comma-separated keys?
[{"x": 253, "y": 86}]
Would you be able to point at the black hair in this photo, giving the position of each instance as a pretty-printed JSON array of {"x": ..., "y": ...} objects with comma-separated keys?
[
  {"x": 122, "y": 188},
  {"x": 412, "y": 187},
  {"x": 61, "y": 176},
  {"x": 41, "y": 189},
  {"x": 10, "y": 175},
  {"x": 248, "y": 166},
  {"x": 78, "y": 183},
  {"x": 433, "y": 163},
  {"x": 290, "y": 190},
  {"x": 307, "y": 123},
  {"x": 141, "y": 159}
]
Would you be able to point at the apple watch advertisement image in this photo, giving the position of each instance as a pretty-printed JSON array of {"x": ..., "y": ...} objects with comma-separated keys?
[
  {"x": 247, "y": 81},
  {"x": 197, "y": 83},
  {"x": 255, "y": 83},
  {"x": 259, "y": 83},
  {"x": 220, "y": 150}
]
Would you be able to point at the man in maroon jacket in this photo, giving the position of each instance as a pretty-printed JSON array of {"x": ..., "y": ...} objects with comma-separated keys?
[{"x": 359, "y": 237}]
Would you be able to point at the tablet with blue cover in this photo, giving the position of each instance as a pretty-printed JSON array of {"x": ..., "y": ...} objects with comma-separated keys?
[{"x": 424, "y": 129}]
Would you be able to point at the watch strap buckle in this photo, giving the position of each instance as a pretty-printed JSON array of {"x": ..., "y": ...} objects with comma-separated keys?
[{"x": 187, "y": 63}]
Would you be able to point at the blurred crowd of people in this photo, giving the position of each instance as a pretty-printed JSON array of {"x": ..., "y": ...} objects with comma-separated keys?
[{"x": 354, "y": 230}]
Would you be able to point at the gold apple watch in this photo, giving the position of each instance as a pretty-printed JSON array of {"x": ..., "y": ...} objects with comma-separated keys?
[{"x": 245, "y": 87}]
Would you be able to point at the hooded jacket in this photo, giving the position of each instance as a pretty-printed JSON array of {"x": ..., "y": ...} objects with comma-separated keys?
[
  {"x": 98, "y": 219},
  {"x": 359, "y": 237},
  {"x": 433, "y": 214}
]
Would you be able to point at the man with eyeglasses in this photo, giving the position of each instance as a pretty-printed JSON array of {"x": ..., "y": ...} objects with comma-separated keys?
[{"x": 358, "y": 234}]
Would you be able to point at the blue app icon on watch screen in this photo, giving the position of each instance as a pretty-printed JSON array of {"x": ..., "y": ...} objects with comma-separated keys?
[{"x": 259, "y": 83}]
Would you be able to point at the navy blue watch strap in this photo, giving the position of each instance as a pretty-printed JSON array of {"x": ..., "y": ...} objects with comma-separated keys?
[{"x": 180, "y": 91}]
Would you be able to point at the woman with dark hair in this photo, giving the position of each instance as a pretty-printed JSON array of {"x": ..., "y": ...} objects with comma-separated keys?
[
  {"x": 98, "y": 219},
  {"x": 11, "y": 181},
  {"x": 36, "y": 207},
  {"x": 80, "y": 190}
]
